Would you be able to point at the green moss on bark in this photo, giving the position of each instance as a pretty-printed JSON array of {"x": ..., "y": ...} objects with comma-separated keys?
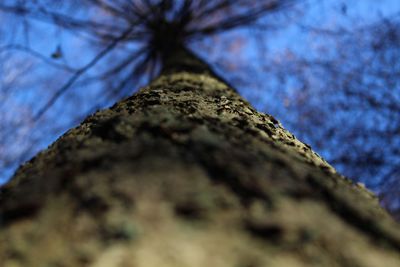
[{"x": 187, "y": 173}]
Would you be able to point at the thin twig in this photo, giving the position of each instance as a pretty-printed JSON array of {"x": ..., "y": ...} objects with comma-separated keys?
[{"x": 78, "y": 73}]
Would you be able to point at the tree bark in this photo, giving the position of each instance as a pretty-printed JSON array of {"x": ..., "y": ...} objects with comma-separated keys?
[{"x": 186, "y": 173}]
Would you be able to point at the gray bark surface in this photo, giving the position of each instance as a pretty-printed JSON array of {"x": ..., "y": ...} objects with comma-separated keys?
[{"x": 186, "y": 173}]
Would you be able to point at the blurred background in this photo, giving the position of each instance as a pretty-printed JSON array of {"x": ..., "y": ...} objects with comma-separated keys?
[{"x": 329, "y": 70}]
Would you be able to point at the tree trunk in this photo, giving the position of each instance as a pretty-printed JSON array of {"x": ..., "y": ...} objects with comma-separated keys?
[{"x": 186, "y": 173}]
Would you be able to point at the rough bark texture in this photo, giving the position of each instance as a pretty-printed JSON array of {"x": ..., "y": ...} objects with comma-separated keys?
[{"x": 187, "y": 173}]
